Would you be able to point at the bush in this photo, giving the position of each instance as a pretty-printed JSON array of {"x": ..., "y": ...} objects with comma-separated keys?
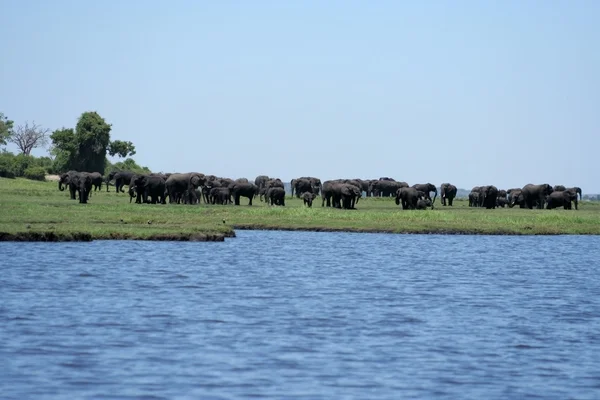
[
  {"x": 7, "y": 169},
  {"x": 35, "y": 173}
]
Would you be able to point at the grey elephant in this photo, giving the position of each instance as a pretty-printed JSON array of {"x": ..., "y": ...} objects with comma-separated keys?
[
  {"x": 474, "y": 197},
  {"x": 275, "y": 196},
  {"x": 261, "y": 181},
  {"x": 385, "y": 187},
  {"x": 346, "y": 195},
  {"x": 121, "y": 179},
  {"x": 179, "y": 185},
  {"x": 149, "y": 186},
  {"x": 275, "y": 182},
  {"x": 307, "y": 198},
  {"x": 65, "y": 180},
  {"x": 427, "y": 188},
  {"x": 83, "y": 184},
  {"x": 423, "y": 204},
  {"x": 301, "y": 185},
  {"x": 220, "y": 195},
  {"x": 535, "y": 195},
  {"x": 515, "y": 197},
  {"x": 340, "y": 194},
  {"x": 487, "y": 196},
  {"x": 447, "y": 193},
  {"x": 562, "y": 198},
  {"x": 408, "y": 197},
  {"x": 575, "y": 189},
  {"x": 97, "y": 180},
  {"x": 248, "y": 190}
]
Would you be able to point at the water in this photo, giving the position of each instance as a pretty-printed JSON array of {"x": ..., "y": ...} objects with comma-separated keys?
[{"x": 302, "y": 315}]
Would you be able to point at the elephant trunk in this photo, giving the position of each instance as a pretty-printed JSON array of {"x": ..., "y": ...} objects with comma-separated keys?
[
  {"x": 60, "y": 186},
  {"x": 434, "y": 196},
  {"x": 580, "y": 194}
]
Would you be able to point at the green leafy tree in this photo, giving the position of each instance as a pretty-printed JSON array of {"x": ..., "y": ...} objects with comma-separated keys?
[
  {"x": 86, "y": 147},
  {"x": 128, "y": 164},
  {"x": 121, "y": 149},
  {"x": 6, "y": 129},
  {"x": 92, "y": 135}
]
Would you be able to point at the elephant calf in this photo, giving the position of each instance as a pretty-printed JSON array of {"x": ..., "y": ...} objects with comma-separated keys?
[
  {"x": 308, "y": 198},
  {"x": 422, "y": 204}
]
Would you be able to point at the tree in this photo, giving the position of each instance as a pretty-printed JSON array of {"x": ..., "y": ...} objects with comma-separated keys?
[
  {"x": 121, "y": 148},
  {"x": 85, "y": 148},
  {"x": 6, "y": 127},
  {"x": 29, "y": 137},
  {"x": 92, "y": 135}
]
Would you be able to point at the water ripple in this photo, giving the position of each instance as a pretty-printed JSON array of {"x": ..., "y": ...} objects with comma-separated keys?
[{"x": 303, "y": 315}]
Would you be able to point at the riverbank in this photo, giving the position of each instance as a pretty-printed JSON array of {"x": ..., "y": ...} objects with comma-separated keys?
[{"x": 38, "y": 211}]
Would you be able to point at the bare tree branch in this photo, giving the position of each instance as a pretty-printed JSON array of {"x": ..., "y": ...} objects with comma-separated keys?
[{"x": 28, "y": 137}]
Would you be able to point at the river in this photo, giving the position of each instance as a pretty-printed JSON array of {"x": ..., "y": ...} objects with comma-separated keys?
[{"x": 302, "y": 315}]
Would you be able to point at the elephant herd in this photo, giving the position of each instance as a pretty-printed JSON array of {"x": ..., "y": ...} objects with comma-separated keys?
[
  {"x": 529, "y": 196},
  {"x": 194, "y": 187}
]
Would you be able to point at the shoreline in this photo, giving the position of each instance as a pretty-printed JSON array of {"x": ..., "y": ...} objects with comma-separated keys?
[{"x": 50, "y": 236}]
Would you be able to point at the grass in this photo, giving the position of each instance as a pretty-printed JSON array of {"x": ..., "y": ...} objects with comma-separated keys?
[{"x": 32, "y": 210}]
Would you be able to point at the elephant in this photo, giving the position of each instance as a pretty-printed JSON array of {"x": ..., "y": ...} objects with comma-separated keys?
[
  {"x": 65, "y": 180},
  {"x": 340, "y": 194},
  {"x": 275, "y": 182},
  {"x": 301, "y": 185},
  {"x": 447, "y": 192},
  {"x": 308, "y": 198},
  {"x": 121, "y": 178},
  {"x": 248, "y": 190},
  {"x": 427, "y": 188},
  {"x": 149, "y": 186},
  {"x": 409, "y": 197},
  {"x": 275, "y": 196},
  {"x": 535, "y": 195},
  {"x": 561, "y": 198},
  {"x": 487, "y": 196},
  {"x": 179, "y": 185},
  {"x": 515, "y": 197},
  {"x": 241, "y": 180},
  {"x": 385, "y": 187},
  {"x": 364, "y": 186},
  {"x": 261, "y": 180},
  {"x": 220, "y": 195},
  {"x": 474, "y": 198},
  {"x": 97, "y": 180},
  {"x": 501, "y": 202},
  {"x": 512, "y": 197},
  {"x": 82, "y": 182},
  {"x": 422, "y": 204},
  {"x": 346, "y": 195},
  {"x": 575, "y": 189},
  {"x": 208, "y": 187},
  {"x": 315, "y": 184}
]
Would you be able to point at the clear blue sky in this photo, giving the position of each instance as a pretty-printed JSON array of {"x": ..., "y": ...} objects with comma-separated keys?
[{"x": 470, "y": 92}]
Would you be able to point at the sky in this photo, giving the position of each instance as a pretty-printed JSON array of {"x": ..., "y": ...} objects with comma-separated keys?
[{"x": 467, "y": 92}]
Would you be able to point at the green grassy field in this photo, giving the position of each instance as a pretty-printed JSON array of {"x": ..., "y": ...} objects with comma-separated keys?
[{"x": 32, "y": 210}]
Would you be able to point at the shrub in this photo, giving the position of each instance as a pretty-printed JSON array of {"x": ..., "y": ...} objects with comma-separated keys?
[
  {"x": 7, "y": 169},
  {"x": 35, "y": 173}
]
